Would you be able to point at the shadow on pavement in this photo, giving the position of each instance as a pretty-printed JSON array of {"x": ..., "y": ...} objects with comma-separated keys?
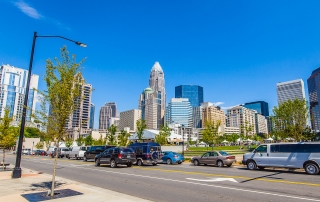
[
  {"x": 45, "y": 185},
  {"x": 42, "y": 196}
]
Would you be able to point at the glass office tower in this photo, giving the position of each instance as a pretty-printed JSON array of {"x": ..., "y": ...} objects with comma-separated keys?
[
  {"x": 193, "y": 92},
  {"x": 314, "y": 93},
  {"x": 179, "y": 111},
  {"x": 261, "y": 107}
]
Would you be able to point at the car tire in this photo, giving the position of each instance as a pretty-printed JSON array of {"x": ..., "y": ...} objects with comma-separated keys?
[
  {"x": 139, "y": 162},
  {"x": 97, "y": 162},
  {"x": 169, "y": 161},
  {"x": 113, "y": 163},
  {"x": 129, "y": 164},
  {"x": 251, "y": 165},
  {"x": 84, "y": 158},
  {"x": 179, "y": 162},
  {"x": 311, "y": 168},
  {"x": 261, "y": 167},
  {"x": 220, "y": 163},
  {"x": 196, "y": 162}
]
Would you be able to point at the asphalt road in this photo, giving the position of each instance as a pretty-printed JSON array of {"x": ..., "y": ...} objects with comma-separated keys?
[{"x": 186, "y": 182}]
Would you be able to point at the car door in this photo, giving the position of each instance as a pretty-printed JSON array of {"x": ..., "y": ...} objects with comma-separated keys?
[
  {"x": 213, "y": 157},
  {"x": 204, "y": 158},
  {"x": 103, "y": 157},
  {"x": 109, "y": 155},
  {"x": 261, "y": 156}
]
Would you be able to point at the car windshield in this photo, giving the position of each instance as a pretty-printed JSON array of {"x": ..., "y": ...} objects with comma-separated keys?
[
  {"x": 83, "y": 148},
  {"x": 223, "y": 153}
]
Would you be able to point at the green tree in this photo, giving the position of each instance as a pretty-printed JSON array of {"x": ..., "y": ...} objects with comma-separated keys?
[
  {"x": 233, "y": 137},
  {"x": 88, "y": 140},
  {"x": 68, "y": 141},
  {"x": 141, "y": 126},
  {"x": 111, "y": 135},
  {"x": 123, "y": 138},
  {"x": 100, "y": 141},
  {"x": 39, "y": 145},
  {"x": 164, "y": 133},
  {"x": 31, "y": 132},
  {"x": 80, "y": 141},
  {"x": 64, "y": 94},
  {"x": 246, "y": 129},
  {"x": 7, "y": 136},
  {"x": 211, "y": 132},
  {"x": 291, "y": 119}
]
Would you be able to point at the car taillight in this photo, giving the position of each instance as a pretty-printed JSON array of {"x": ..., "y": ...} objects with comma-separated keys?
[
  {"x": 230, "y": 157},
  {"x": 148, "y": 156},
  {"x": 119, "y": 156}
]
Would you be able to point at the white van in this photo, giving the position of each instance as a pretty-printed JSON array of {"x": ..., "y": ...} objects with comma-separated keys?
[
  {"x": 285, "y": 155},
  {"x": 77, "y": 152}
]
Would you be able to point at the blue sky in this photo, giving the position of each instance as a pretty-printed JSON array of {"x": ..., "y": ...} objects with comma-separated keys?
[{"x": 237, "y": 50}]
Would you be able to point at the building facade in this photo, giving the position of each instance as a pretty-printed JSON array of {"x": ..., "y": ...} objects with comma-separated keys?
[
  {"x": 92, "y": 110},
  {"x": 179, "y": 111},
  {"x": 261, "y": 107},
  {"x": 13, "y": 83},
  {"x": 231, "y": 130},
  {"x": 212, "y": 113},
  {"x": 193, "y": 92},
  {"x": 241, "y": 117},
  {"x": 197, "y": 117},
  {"x": 290, "y": 90},
  {"x": 129, "y": 119},
  {"x": 157, "y": 84},
  {"x": 261, "y": 124},
  {"x": 314, "y": 97},
  {"x": 107, "y": 111}
]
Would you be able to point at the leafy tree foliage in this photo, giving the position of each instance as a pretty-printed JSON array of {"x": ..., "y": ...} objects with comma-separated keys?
[
  {"x": 291, "y": 119},
  {"x": 32, "y": 132},
  {"x": 111, "y": 135},
  {"x": 39, "y": 145},
  {"x": 164, "y": 133},
  {"x": 88, "y": 140},
  {"x": 8, "y": 136},
  {"x": 123, "y": 138},
  {"x": 68, "y": 141},
  {"x": 211, "y": 132},
  {"x": 80, "y": 141},
  {"x": 246, "y": 129},
  {"x": 141, "y": 126},
  {"x": 100, "y": 141}
]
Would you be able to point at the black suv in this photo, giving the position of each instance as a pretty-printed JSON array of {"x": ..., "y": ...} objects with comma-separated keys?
[
  {"x": 95, "y": 150},
  {"x": 147, "y": 153},
  {"x": 115, "y": 156}
]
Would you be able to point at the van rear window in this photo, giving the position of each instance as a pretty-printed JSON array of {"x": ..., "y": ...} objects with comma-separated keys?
[{"x": 295, "y": 148}]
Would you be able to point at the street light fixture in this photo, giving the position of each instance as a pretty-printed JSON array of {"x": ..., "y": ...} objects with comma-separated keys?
[{"x": 16, "y": 173}]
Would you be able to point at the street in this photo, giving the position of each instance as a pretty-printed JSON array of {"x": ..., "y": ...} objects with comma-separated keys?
[{"x": 186, "y": 182}]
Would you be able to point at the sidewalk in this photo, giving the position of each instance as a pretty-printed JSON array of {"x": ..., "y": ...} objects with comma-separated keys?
[{"x": 28, "y": 187}]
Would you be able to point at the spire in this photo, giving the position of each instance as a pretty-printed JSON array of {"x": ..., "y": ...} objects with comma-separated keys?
[{"x": 157, "y": 67}]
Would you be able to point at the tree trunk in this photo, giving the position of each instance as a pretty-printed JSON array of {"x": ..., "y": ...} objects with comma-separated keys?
[
  {"x": 3, "y": 157},
  {"x": 54, "y": 170}
]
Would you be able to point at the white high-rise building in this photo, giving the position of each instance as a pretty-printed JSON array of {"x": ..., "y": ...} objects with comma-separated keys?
[
  {"x": 290, "y": 90},
  {"x": 240, "y": 117},
  {"x": 109, "y": 110},
  {"x": 261, "y": 124},
  {"x": 179, "y": 111},
  {"x": 13, "y": 83},
  {"x": 157, "y": 83},
  {"x": 129, "y": 118}
]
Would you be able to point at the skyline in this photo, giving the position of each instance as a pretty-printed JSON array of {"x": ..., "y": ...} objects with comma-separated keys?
[{"x": 237, "y": 51}]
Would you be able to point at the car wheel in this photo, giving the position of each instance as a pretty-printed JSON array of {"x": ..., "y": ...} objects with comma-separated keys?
[
  {"x": 113, "y": 164},
  {"x": 196, "y": 162},
  {"x": 97, "y": 162},
  {"x": 205, "y": 164},
  {"x": 229, "y": 165},
  {"x": 68, "y": 156},
  {"x": 129, "y": 164},
  {"x": 179, "y": 162},
  {"x": 84, "y": 158},
  {"x": 220, "y": 163},
  {"x": 261, "y": 167},
  {"x": 311, "y": 169},
  {"x": 154, "y": 164},
  {"x": 169, "y": 161},
  {"x": 139, "y": 162},
  {"x": 251, "y": 165}
]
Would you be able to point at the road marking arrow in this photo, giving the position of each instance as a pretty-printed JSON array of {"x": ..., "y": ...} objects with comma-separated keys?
[{"x": 213, "y": 180}]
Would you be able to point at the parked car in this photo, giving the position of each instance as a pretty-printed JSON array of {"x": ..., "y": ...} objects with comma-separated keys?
[
  {"x": 285, "y": 155},
  {"x": 115, "y": 156},
  {"x": 95, "y": 150},
  {"x": 40, "y": 152},
  {"x": 147, "y": 153},
  {"x": 26, "y": 151},
  {"x": 218, "y": 158},
  {"x": 63, "y": 152},
  {"x": 170, "y": 157},
  {"x": 50, "y": 150},
  {"x": 77, "y": 152}
]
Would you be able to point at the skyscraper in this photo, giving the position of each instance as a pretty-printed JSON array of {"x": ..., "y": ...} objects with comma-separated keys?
[
  {"x": 290, "y": 90},
  {"x": 193, "y": 92},
  {"x": 212, "y": 113},
  {"x": 92, "y": 110},
  {"x": 129, "y": 118},
  {"x": 13, "y": 83},
  {"x": 107, "y": 111},
  {"x": 240, "y": 116},
  {"x": 314, "y": 93},
  {"x": 260, "y": 106},
  {"x": 179, "y": 111},
  {"x": 152, "y": 101}
]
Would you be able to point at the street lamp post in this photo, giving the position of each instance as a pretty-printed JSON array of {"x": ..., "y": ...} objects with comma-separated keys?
[
  {"x": 16, "y": 173},
  {"x": 182, "y": 128}
]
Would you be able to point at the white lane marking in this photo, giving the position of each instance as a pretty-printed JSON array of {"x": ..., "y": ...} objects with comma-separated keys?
[
  {"x": 208, "y": 185},
  {"x": 213, "y": 180}
]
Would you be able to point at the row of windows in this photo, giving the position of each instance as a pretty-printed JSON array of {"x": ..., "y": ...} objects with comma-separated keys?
[{"x": 291, "y": 148}]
